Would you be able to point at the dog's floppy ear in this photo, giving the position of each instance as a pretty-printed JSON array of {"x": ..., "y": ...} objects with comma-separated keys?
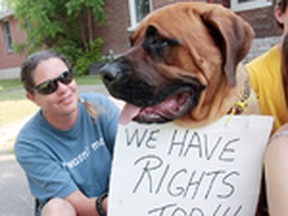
[{"x": 237, "y": 36}]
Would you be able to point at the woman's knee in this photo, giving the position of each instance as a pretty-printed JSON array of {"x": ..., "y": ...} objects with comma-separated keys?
[{"x": 58, "y": 206}]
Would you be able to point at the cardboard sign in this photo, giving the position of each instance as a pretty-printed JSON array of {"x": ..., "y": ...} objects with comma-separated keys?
[{"x": 168, "y": 170}]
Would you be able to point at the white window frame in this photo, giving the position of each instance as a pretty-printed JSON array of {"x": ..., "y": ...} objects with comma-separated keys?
[
  {"x": 133, "y": 15},
  {"x": 7, "y": 35},
  {"x": 253, "y": 4}
]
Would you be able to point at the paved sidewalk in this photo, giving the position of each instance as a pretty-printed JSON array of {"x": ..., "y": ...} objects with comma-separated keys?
[{"x": 15, "y": 197}]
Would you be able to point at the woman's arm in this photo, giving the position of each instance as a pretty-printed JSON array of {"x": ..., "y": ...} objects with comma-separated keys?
[
  {"x": 276, "y": 169},
  {"x": 85, "y": 206}
]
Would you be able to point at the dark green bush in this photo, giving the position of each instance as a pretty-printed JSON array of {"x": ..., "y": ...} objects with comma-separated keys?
[{"x": 93, "y": 55}]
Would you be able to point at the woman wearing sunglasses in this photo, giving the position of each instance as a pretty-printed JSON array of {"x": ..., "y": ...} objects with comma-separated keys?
[{"x": 66, "y": 148}]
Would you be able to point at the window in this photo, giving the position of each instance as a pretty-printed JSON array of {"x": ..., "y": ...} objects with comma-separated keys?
[
  {"x": 240, "y": 5},
  {"x": 138, "y": 10},
  {"x": 7, "y": 36}
]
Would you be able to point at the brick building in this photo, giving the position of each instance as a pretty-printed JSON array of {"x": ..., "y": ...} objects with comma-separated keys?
[
  {"x": 122, "y": 17},
  {"x": 9, "y": 33}
]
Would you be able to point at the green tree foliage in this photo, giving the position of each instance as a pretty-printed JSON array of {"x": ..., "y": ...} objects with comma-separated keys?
[
  {"x": 67, "y": 26},
  {"x": 83, "y": 62}
]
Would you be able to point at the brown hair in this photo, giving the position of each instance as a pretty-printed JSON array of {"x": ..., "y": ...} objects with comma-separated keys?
[
  {"x": 281, "y": 4},
  {"x": 284, "y": 67}
]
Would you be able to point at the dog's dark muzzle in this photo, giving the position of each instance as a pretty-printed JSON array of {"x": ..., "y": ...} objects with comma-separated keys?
[
  {"x": 159, "y": 98},
  {"x": 123, "y": 83}
]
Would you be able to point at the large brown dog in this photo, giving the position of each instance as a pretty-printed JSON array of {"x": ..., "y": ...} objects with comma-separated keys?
[{"x": 183, "y": 65}]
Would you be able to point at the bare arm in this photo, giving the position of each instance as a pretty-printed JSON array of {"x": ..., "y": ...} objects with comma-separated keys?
[
  {"x": 276, "y": 169},
  {"x": 85, "y": 206}
]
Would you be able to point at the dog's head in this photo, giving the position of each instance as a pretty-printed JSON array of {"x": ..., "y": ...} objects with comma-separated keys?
[{"x": 181, "y": 56}]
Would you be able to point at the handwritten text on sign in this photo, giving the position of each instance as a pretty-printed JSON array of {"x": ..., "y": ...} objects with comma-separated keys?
[{"x": 164, "y": 170}]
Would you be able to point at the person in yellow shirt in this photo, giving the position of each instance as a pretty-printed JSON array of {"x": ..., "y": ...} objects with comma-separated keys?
[{"x": 266, "y": 79}]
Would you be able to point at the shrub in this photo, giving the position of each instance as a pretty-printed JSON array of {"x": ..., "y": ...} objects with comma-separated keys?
[{"x": 93, "y": 55}]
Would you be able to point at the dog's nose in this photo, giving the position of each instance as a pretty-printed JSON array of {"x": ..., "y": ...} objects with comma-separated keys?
[{"x": 109, "y": 73}]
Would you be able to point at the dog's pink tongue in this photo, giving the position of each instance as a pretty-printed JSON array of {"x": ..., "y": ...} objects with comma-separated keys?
[{"x": 129, "y": 111}]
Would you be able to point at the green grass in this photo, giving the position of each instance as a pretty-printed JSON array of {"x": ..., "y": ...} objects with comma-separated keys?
[
  {"x": 13, "y": 103},
  {"x": 89, "y": 80},
  {"x": 8, "y": 85}
]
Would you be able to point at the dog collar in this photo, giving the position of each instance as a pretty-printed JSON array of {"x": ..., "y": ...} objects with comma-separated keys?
[{"x": 240, "y": 105}]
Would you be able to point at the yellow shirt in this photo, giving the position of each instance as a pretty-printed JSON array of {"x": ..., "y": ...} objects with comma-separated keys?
[{"x": 266, "y": 80}]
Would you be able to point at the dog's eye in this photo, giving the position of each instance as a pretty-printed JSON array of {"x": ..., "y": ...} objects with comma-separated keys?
[
  {"x": 161, "y": 44},
  {"x": 157, "y": 47}
]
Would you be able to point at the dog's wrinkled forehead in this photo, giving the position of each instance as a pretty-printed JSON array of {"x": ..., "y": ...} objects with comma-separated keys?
[
  {"x": 172, "y": 27},
  {"x": 169, "y": 22},
  {"x": 194, "y": 24}
]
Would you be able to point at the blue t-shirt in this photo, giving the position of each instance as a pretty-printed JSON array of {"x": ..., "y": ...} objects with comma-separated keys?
[{"x": 59, "y": 162}]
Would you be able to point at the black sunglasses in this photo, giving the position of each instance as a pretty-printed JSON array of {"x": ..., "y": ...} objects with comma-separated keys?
[{"x": 50, "y": 86}]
